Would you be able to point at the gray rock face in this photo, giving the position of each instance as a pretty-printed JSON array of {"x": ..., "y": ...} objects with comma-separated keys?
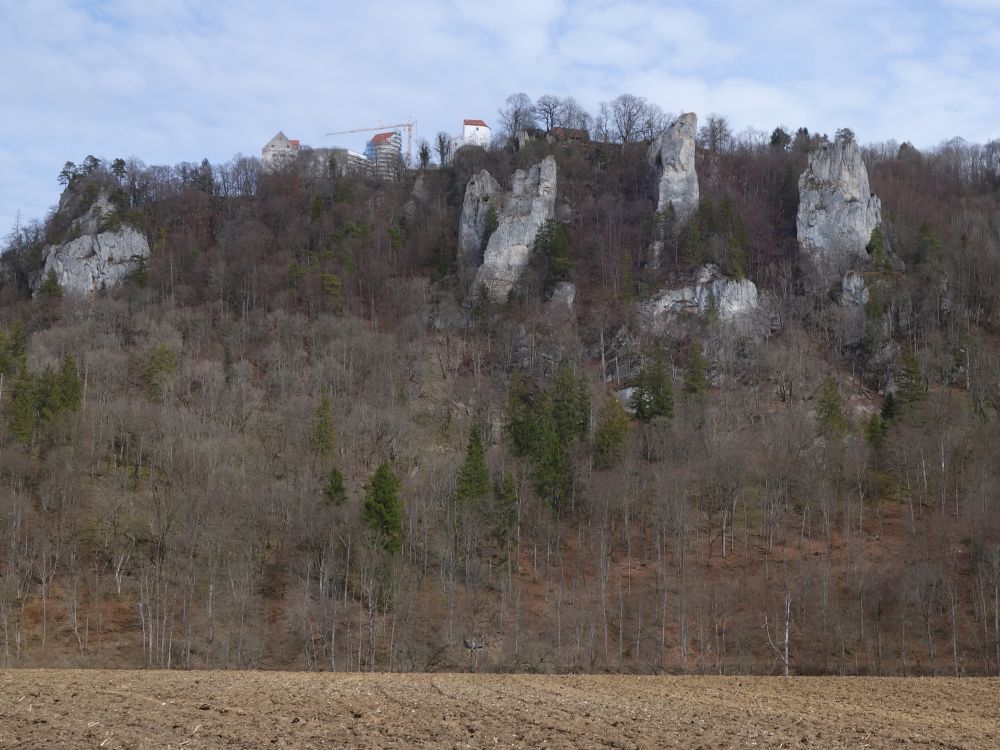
[
  {"x": 673, "y": 154},
  {"x": 736, "y": 301},
  {"x": 95, "y": 259},
  {"x": 564, "y": 295},
  {"x": 837, "y": 210},
  {"x": 482, "y": 192},
  {"x": 853, "y": 290},
  {"x": 526, "y": 208}
]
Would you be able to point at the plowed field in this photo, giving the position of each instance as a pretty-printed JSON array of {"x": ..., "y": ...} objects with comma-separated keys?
[{"x": 125, "y": 709}]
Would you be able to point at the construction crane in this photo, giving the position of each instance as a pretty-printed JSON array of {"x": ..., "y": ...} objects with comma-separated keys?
[{"x": 409, "y": 134}]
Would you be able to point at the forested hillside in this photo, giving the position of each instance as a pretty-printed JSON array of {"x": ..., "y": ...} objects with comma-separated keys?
[{"x": 294, "y": 438}]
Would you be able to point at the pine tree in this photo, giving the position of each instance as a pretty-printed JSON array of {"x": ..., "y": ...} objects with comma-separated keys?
[
  {"x": 611, "y": 433},
  {"x": 552, "y": 467},
  {"x": 322, "y": 435},
  {"x": 696, "y": 373},
  {"x": 522, "y": 422},
  {"x": 473, "y": 476},
  {"x": 875, "y": 431},
  {"x": 505, "y": 510},
  {"x": 570, "y": 404},
  {"x": 653, "y": 395},
  {"x": 50, "y": 288},
  {"x": 383, "y": 511},
  {"x": 911, "y": 380},
  {"x": 70, "y": 387},
  {"x": 23, "y": 409},
  {"x": 334, "y": 491},
  {"x": 830, "y": 408}
]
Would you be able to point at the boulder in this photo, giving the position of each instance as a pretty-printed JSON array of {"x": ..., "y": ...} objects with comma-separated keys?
[
  {"x": 482, "y": 192},
  {"x": 672, "y": 153},
  {"x": 530, "y": 203},
  {"x": 853, "y": 290},
  {"x": 563, "y": 295},
  {"x": 735, "y": 301},
  {"x": 837, "y": 210},
  {"x": 95, "y": 259}
]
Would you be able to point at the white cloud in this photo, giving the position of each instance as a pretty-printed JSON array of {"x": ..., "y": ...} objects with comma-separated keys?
[{"x": 173, "y": 80}]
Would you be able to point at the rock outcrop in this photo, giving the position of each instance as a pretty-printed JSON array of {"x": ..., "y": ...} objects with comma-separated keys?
[
  {"x": 853, "y": 290},
  {"x": 524, "y": 210},
  {"x": 673, "y": 155},
  {"x": 99, "y": 257},
  {"x": 837, "y": 210},
  {"x": 482, "y": 192},
  {"x": 735, "y": 301}
]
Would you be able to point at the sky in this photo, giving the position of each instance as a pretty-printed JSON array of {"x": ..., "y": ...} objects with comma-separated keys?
[{"x": 181, "y": 80}]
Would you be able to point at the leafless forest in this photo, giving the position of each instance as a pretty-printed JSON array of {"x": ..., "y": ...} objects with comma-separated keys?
[{"x": 261, "y": 451}]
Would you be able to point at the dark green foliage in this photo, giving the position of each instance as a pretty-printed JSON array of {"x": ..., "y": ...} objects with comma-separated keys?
[
  {"x": 552, "y": 253},
  {"x": 878, "y": 302},
  {"x": 334, "y": 492},
  {"x": 490, "y": 224},
  {"x": 875, "y": 430},
  {"x": 570, "y": 397},
  {"x": 473, "y": 476},
  {"x": 521, "y": 424},
  {"x": 50, "y": 288},
  {"x": 503, "y": 514},
  {"x": 611, "y": 434},
  {"x": 696, "y": 373},
  {"x": 40, "y": 399},
  {"x": 890, "y": 409},
  {"x": 13, "y": 349},
  {"x": 23, "y": 408},
  {"x": 653, "y": 395},
  {"x": 383, "y": 510},
  {"x": 780, "y": 138},
  {"x": 322, "y": 435},
  {"x": 445, "y": 258},
  {"x": 545, "y": 428},
  {"x": 912, "y": 387},
  {"x": 552, "y": 468},
  {"x": 160, "y": 371},
  {"x": 830, "y": 408},
  {"x": 877, "y": 249}
]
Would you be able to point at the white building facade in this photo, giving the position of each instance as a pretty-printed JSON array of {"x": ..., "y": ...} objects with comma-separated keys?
[{"x": 474, "y": 133}]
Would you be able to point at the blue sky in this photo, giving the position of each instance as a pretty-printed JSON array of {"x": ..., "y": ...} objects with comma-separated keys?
[{"x": 180, "y": 80}]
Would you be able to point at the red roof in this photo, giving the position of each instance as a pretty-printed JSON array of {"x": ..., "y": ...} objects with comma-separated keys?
[
  {"x": 479, "y": 123},
  {"x": 294, "y": 141},
  {"x": 382, "y": 137}
]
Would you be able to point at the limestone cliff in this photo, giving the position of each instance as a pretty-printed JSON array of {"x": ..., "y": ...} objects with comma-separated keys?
[
  {"x": 98, "y": 257},
  {"x": 837, "y": 210},
  {"x": 673, "y": 155},
  {"x": 735, "y": 301},
  {"x": 482, "y": 192},
  {"x": 530, "y": 203}
]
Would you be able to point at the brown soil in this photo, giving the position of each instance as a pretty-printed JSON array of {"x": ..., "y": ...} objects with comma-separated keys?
[{"x": 133, "y": 709}]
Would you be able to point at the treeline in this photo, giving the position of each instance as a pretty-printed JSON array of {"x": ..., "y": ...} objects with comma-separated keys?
[{"x": 293, "y": 441}]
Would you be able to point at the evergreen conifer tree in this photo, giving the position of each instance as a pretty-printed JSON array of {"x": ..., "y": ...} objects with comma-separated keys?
[
  {"x": 830, "y": 408},
  {"x": 50, "y": 288},
  {"x": 322, "y": 434},
  {"x": 911, "y": 380},
  {"x": 334, "y": 491},
  {"x": 653, "y": 395},
  {"x": 611, "y": 433},
  {"x": 383, "y": 510},
  {"x": 696, "y": 373},
  {"x": 23, "y": 409},
  {"x": 473, "y": 476}
]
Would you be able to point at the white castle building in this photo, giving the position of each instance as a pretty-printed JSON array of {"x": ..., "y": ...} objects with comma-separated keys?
[{"x": 474, "y": 133}]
